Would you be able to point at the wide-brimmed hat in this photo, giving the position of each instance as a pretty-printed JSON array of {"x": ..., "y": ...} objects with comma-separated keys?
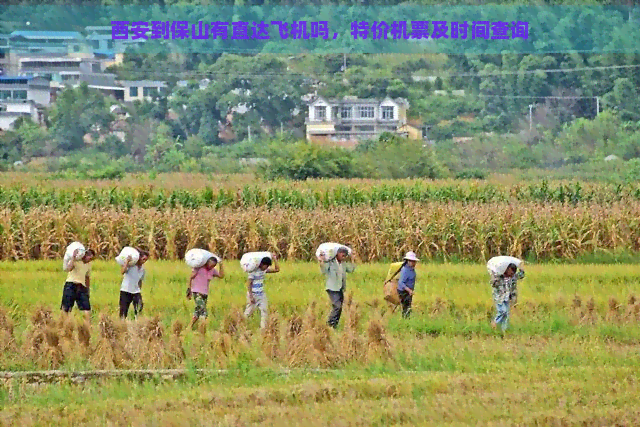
[{"x": 411, "y": 256}]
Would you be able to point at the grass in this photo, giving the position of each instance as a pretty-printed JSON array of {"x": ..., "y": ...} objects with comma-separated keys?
[
  {"x": 565, "y": 360},
  {"x": 300, "y": 283},
  {"x": 470, "y": 382}
]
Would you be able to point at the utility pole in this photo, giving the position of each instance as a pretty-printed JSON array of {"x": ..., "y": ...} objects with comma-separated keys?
[
  {"x": 530, "y": 116},
  {"x": 344, "y": 62},
  {"x": 249, "y": 130},
  {"x": 597, "y": 105},
  {"x": 281, "y": 131}
]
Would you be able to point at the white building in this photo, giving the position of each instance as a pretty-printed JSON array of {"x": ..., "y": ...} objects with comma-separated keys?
[
  {"x": 124, "y": 90},
  {"x": 58, "y": 69},
  {"x": 352, "y": 119},
  {"x": 20, "y": 88},
  {"x": 11, "y": 110}
]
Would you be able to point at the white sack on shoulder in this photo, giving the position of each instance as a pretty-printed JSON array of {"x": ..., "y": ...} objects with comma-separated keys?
[
  {"x": 125, "y": 253},
  {"x": 196, "y": 258},
  {"x": 251, "y": 260},
  {"x": 498, "y": 265},
  {"x": 330, "y": 250},
  {"x": 68, "y": 255}
]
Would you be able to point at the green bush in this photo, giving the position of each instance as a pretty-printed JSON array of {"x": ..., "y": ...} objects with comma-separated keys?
[
  {"x": 303, "y": 160},
  {"x": 399, "y": 158},
  {"x": 471, "y": 174},
  {"x": 388, "y": 157}
]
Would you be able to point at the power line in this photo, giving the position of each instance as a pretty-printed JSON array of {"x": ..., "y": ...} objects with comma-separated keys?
[
  {"x": 552, "y": 70},
  {"x": 280, "y": 74},
  {"x": 536, "y": 97}
]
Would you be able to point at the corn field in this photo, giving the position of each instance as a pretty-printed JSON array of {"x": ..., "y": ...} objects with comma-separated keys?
[
  {"x": 451, "y": 231},
  {"x": 313, "y": 195}
]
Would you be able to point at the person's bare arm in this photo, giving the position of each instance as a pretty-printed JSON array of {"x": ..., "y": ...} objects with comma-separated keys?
[
  {"x": 125, "y": 267},
  {"x": 193, "y": 275},
  {"x": 220, "y": 270},
  {"x": 249, "y": 293},
  {"x": 275, "y": 267},
  {"x": 72, "y": 264}
]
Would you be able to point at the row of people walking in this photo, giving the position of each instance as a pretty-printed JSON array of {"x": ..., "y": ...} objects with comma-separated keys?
[{"x": 504, "y": 275}]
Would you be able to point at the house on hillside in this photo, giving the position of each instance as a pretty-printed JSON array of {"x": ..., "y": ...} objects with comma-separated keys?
[
  {"x": 19, "y": 88},
  {"x": 58, "y": 69},
  {"x": 69, "y": 43},
  {"x": 100, "y": 38},
  {"x": 124, "y": 90},
  {"x": 349, "y": 120},
  {"x": 12, "y": 110}
]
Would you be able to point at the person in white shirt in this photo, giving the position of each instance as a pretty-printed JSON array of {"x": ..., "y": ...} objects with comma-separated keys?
[
  {"x": 256, "y": 297},
  {"x": 131, "y": 288}
]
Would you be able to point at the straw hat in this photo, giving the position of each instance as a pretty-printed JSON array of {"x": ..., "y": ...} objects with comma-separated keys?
[{"x": 411, "y": 256}]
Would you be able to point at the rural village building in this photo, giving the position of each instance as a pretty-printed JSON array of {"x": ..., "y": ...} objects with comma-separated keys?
[{"x": 349, "y": 120}]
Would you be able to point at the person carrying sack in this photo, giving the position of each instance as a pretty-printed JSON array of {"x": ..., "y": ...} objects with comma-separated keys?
[{"x": 407, "y": 282}]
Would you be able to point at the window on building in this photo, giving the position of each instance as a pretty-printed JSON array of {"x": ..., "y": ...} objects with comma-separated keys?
[
  {"x": 366, "y": 112},
  {"x": 343, "y": 128},
  {"x": 95, "y": 68},
  {"x": 149, "y": 91},
  {"x": 19, "y": 94},
  {"x": 5, "y": 94},
  {"x": 345, "y": 112},
  {"x": 387, "y": 113},
  {"x": 321, "y": 113},
  {"x": 76, "y": 48},
  {"x": 133, "y": 91},
  {"x": 109, "y": 44},
  {"x": 364, "y": 128}
]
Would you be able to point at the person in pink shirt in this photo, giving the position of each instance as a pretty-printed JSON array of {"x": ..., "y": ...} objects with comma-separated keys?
[{"x": 199, "y": 287}]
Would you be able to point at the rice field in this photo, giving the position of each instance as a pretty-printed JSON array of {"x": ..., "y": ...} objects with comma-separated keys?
[{"x": 569, "y": 358}]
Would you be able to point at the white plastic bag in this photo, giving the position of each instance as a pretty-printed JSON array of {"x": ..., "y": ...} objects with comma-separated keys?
[
  {"x": 196, "y": 258},
  {"x": 68, "y": 255},
  {"x": 498, "y": 265},
  {"x": 126, "y": 252},
  {"x": 251, "y": 260},
  {"x": 330, "y": 251}
]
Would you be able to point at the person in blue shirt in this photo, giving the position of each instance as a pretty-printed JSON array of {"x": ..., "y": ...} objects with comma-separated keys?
[{"x": 407, "y": 282}]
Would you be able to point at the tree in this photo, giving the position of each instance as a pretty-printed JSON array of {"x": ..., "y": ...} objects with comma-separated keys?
[
  {"x": 194, "y": 146},
  {"x": 259, "y": 86},
  {"x": 624, "y": 99},
  {"x": 33, "y": 138},
  {"x": 76, "y": 112},
  {"x": 584, "y": 139}
]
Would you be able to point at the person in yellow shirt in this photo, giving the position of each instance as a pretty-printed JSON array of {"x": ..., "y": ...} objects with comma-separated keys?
[{"x": 76, "y": 288}]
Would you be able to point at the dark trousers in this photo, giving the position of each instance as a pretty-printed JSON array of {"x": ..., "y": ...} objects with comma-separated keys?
[
  {"x": 75, "y": 293},
  {"x": 337, "y": 298},
  {"x": 405, "y": 300},
  {"x": 125, "y": 301}
]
